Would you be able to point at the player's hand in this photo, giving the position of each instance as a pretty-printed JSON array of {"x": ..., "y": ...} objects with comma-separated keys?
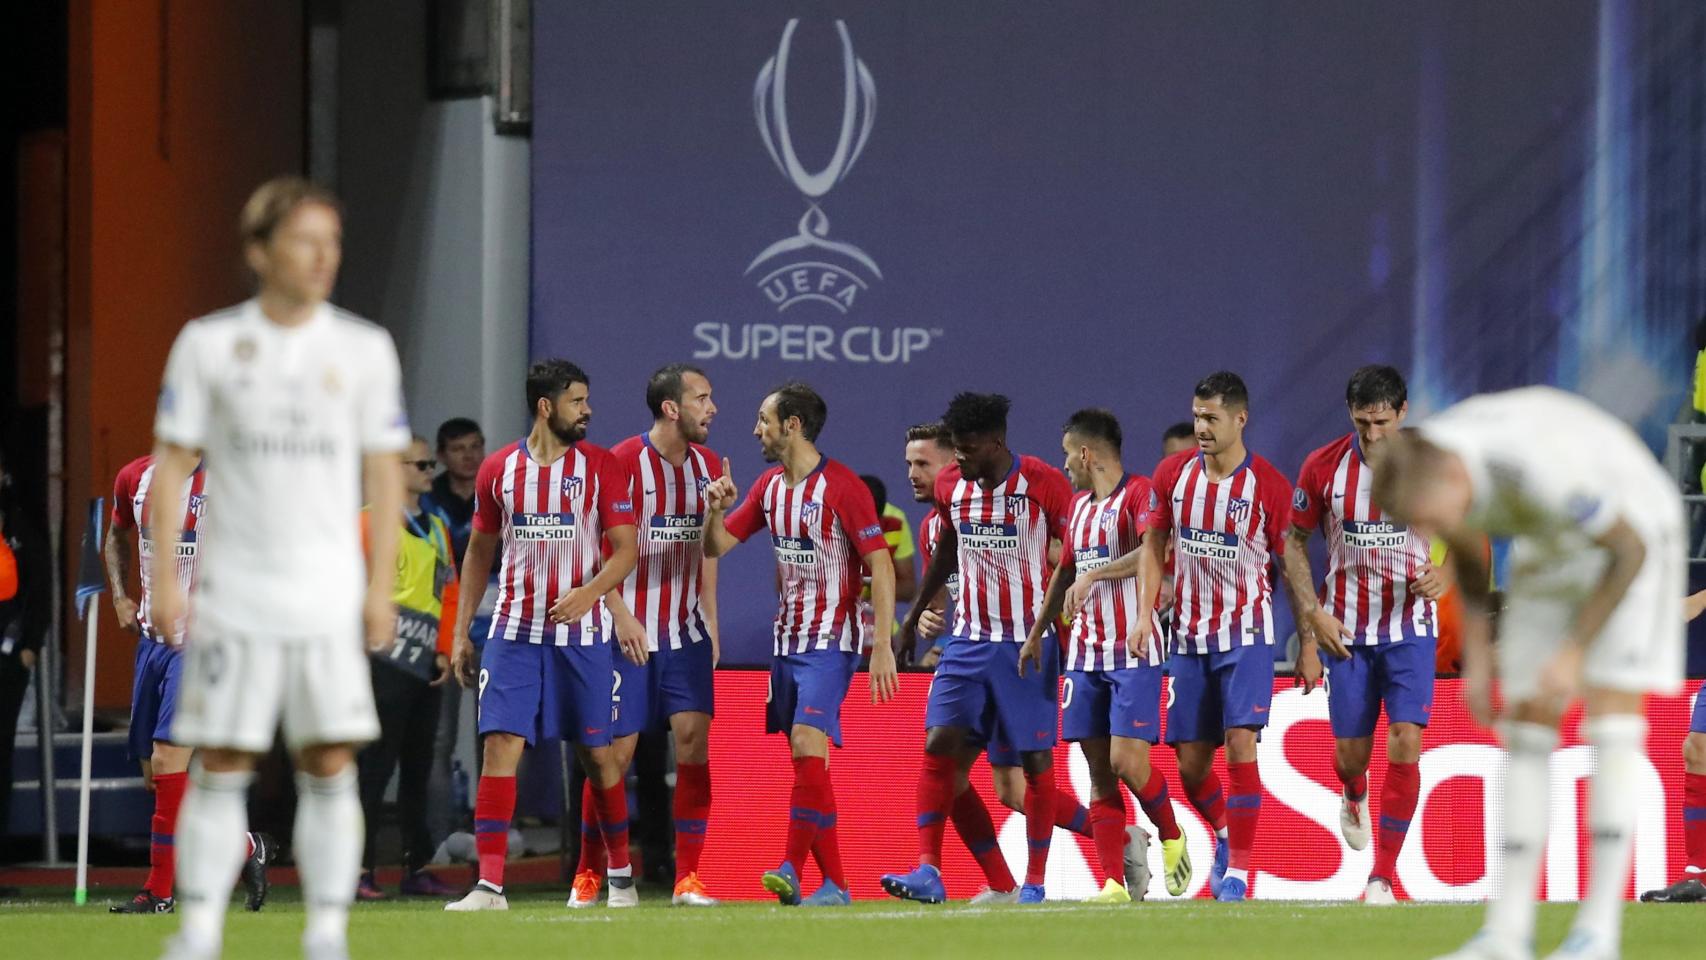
[
  {"x": 168, "y": 605},
  {"x": 721, "y": 493},
  {"x": 1478, "y": 692},
  {"x": 571, "y": 607},
  {"x": 124, "y": 609},
  {"x": 1138, "y": 640},
  {"x": 885, "y": 680},
  {"x": 931, "y": 623},
  {"x": 931, "y": 657},
  {"x": 1329, "y": 632},
  {"x": 716, "y": 649},
  {"x": 442, "y": 663},
  {"x": 631, "y": 637},
  {"x": 1075, "y": 596},
  {"x": 380, "y": 616},
  {"x": 1429, "y": 583},
  {"x": 1031, "y": 651},
  {"x": 1561, "y": 676},
  {"x": 1309, "y": 669},
  {"x": 465, "y": 661}
]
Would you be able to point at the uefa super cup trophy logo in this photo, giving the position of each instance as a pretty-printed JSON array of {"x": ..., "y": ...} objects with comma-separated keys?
[{"x": 809, "y": 265}]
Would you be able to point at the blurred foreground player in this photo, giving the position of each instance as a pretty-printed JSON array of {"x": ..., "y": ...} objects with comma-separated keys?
[
  {"x": 157, "y": 679},
  {"x": 1224, "y": 511},
  {"x": 1591, "y": 613},
  {"x": 295, "y": 406},
  {"x": 1107, "y": 582},
  {"x": 1690, "y": 887},
  {"x": 551, "y": 500},
  {"x": 1375, "y": 616},
  {"x": 824, "y": 527},
  {"x": 664, "y": 617}
]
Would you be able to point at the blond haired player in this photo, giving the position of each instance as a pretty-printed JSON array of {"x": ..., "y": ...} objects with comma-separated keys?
[{"x": 295, "y": 406}]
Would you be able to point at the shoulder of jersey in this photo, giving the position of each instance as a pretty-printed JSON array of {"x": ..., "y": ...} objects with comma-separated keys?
[
  {"x": 497, "y": 457},
  {"x": 137, "y": 466},
  {"x": 770, "y": 473},
  {"x": 1172, "y": 463},
  {"x": 949, "y": 476},
  {"x": 1264, "y": 468},
  {"x": 706, "y": 452},
  {"x": 628, "y": 448},
  {"x": 357, "y": 321},
  {"x": 1329, "y": 452},
  {"x": 839, "y": 472},
  {"x": 592, "y": 451}
]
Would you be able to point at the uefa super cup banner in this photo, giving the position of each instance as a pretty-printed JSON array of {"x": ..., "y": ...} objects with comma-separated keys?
[
  {"x": 1090, "y": 202},
  {"x": 1299, "y": 853}
]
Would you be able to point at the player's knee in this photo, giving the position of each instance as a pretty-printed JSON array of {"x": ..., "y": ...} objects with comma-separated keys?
[
  {"x": 1132, "y": 766},
  {"x": 808, "y": 742},
  {"x": 501, "y": 753},
  {"x": 1694, "y": 752},
  {"x": 325, "y": 760},
  {"x": 1009, "y": 788},
  {"x": 1240, "y": 745},
  {"x": 225, "y": 761},
  {"x": 944, "y": 741},
  {"x": 1350, "y": 755},
  {"x": 1036, "y": 762},
  {"x": 1403, "y": 743}
]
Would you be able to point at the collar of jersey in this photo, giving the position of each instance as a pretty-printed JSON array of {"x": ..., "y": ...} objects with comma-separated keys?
[
  {"x": 522, "y": 445},
  {"x": 1201, "y": 462}
]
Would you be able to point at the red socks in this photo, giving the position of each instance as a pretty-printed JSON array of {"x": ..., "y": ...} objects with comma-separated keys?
[
  {"x": 971, "y": 819},
  {"x": 805, "y": 808},
  {"x": 1397, "y": 806},
  {"x": 1158, "y": 805},
  {"x": 1041, "y": 805},
  {"x": 1694, "y": 818},
  {"x": 593, "y": 857},
  {"x": 162, "y": 860},
  {"x": 613, "y": 824},
  {"x": 1107, "y": 826},
  {"x": 1243, "y": 809},
  {"x": 826, "y": 846},
  {"x": 1209, "y": 801},
  {"x": 1355, "y": 787},
  {"x": 1070, "y": 815},
  {"x": 692, "y": 811},
  {"x": 936, "y": 784},
  {"x": 494, "y": 807}
]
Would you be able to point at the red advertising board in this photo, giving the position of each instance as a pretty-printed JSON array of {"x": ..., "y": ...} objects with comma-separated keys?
[{"x": 1299, "y": 853}]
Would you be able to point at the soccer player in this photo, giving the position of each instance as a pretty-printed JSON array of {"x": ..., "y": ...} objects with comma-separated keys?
[
  {"x": 1224, "y": 511},
  {"x": 1375, "y": 615},
  {"x": 158, "y": 675},
  {"x": 824, "y": 526},
  {"x": 666, "y": 612},
  {"x": 1177, "y": 438},
  {"x": 1106, "y": 582},
  {"x": 928, "y": 451},
  {"x": 1690, "y": 887},
  {"x": 551, "y": 500},
  {"x": 1591, "y": 613},
  {"x": 295, "y": 406},
  {"x": 999, "y": 512}
]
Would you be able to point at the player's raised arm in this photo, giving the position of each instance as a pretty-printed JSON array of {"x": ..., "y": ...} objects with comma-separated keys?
[
  {"x": 173, "y": 465},
  {"x": 720, "y": 497}
]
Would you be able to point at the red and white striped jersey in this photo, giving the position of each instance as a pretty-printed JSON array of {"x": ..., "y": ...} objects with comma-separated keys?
[
  {"x": 669, "y": 513},
  {"x": 130, "y": 512},
  {"x": 1098, "y": 532},
  {"x": 1225, "y": 535},
  {"x": 552, "y": 518},
  {"x": 1371, "y": 560},
  {"x": 822, "y": 528},
  {"x": 929, "y": 534},
  {"x": 1003, "y": 536}
]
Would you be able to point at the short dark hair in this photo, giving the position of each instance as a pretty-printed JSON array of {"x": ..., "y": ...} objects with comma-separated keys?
[
  {"x": 1179, "y": 431},
  {"x": 667, "y": 384},
  {"x": 1374, "y": 385},
  {"x": 548, "y": 378},
  {"x": 455, "y": 429},
  {"x": 932, "y": 432},
  {"x": 1226, "y": 386},
  {"x": 1095, "y": 423},
  {"x": 879, "y": 491},
  {"x": 976, "y": 413},
  {"x": 797, "y": 399}
]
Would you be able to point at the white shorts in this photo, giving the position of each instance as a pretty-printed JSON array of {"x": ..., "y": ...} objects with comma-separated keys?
[
  {"x": 1642, "y": 647},
  {"x": 236, "y": 688}
]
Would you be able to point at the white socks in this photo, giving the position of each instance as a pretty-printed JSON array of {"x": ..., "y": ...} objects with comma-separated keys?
[
  {"x": 329, "y": 838},
  {"x": 1619, "y": 742},
  {"x": 1510, "y": 914},
  {"x": 212, "y": 824}
]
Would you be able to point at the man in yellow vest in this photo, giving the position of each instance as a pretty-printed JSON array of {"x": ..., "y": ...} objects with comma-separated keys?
[{"x": 406, "y": 680}]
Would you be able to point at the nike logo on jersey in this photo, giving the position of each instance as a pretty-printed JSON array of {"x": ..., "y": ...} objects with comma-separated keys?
[{"x": 812, "y": 711}]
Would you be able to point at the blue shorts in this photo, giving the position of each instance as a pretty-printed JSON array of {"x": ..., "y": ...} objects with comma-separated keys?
[
  {"x": 153, "y": 695},
  {"x": 1119, "y": 703},
  {"x": 1697, "y": 723},
  {"x": 806, "y": 689},
  {"x": 978, "y": 688},
  {"x": 1213, "y": 692},
  {"x": 541, "y": 692},
  {"x": 1400, "y": 674},
  {"x": 670, "y": 682}
]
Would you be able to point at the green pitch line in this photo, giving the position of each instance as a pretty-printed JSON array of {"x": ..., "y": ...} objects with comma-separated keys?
[{"x": 538, "y": 924}]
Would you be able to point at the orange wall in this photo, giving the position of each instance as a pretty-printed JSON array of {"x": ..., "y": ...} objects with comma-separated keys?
[{"x": 174, "y": 119}]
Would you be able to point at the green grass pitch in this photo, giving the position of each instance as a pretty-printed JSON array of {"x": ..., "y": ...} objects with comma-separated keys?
[{"x": 538, "y": 925}]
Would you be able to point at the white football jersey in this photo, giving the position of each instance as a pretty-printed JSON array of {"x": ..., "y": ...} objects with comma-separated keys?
[
  {"x": 1554, "y": 471},
  {"x": 283, "y": 416}
]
